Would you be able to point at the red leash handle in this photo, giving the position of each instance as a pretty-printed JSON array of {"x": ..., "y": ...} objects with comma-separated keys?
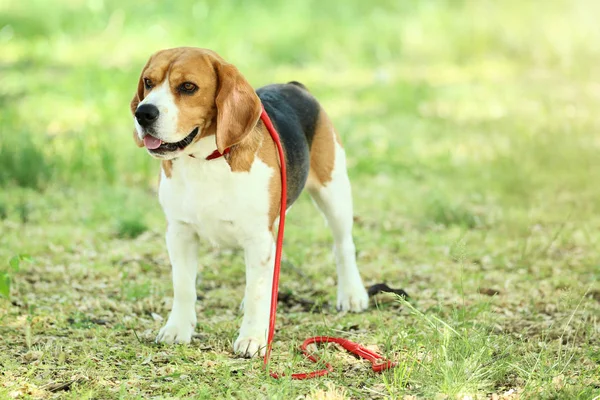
[{"x": 379, "y": 363}]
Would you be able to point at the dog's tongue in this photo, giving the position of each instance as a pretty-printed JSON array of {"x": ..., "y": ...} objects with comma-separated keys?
[{"x": 151, "y": 142}]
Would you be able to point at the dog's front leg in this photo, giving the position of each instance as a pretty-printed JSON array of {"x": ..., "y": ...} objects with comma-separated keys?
[
  {"x": 182, "y": 243},
  {"x": 259, "y": 254}
]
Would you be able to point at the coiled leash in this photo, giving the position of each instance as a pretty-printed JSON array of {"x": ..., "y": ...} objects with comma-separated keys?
[{"x": 378, "y": 362}]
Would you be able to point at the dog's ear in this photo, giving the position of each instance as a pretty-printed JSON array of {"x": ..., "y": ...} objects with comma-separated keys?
[
  {"x": 238, "y": 106},
  {"x": 137, "y": 97}
]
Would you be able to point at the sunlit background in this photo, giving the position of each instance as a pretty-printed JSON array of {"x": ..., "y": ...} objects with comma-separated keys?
[{"x": 397, "y": 76}]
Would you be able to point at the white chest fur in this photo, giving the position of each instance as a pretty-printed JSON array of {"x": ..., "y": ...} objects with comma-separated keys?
[{"x": 225, "y": 207}]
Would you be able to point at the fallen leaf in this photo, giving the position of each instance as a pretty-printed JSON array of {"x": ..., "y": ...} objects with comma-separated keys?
[
  {"x": 489, "y": 292},
  {"x": 58, "y": 386}
]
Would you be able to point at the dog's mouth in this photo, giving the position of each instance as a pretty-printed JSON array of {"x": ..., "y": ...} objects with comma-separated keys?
[{"x": 155, "y": 145}]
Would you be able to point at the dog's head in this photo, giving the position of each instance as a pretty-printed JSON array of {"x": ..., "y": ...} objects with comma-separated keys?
[{"x": 184, "y": 94}]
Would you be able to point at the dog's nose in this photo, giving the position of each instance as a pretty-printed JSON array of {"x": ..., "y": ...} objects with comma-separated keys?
[{"x": 146, "y": 114}]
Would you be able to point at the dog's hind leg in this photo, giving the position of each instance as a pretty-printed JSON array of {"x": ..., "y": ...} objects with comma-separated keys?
[{"x": 329, "y": 186}]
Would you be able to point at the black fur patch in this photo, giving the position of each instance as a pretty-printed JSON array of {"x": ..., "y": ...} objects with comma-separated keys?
[
  {"x": 294, "y": 113},
  {"x": 296, "y": 83}
]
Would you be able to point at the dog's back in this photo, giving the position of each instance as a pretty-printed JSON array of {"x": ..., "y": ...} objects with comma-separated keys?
[{"x": 300, "y": 122}]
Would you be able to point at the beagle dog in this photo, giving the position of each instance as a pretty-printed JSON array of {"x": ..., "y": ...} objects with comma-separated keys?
[{"x": 220, "y": 178}]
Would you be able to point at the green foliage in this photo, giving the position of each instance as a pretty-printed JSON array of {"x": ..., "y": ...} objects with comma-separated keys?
[
  {"x": 3, "y": 211},
  {"x": 7, "y": 273},
  {"x": 446, "y": 214},
  {"x": 22, "y": 162},
  {"x": 131, "y": 226},
  {"x": 461, "y": 359},
  {"x": 4, "y": 284},
  {"x": 132, "y": 289},
  {"x": 23, "y": 210}
]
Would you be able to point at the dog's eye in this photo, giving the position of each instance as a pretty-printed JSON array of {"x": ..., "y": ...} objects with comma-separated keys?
[
  {"x": 187, "y": 87},
  {"x": 148, "y": 83}
]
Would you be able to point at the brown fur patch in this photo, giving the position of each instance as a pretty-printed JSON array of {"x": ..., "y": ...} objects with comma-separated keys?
[
  {"x": 137, "y": 97},
  {"x": 238, "y": 107},
  {"x": 137, "y": 140},
  {"x": 167, "y": 166},
  {"x": 197, "y": 109},
  {"x": 242, "y": 155},
  {"x": 322, "y": 151},
  {"x": 338, "y": 138},
  {"x": 268, "y": 154}
]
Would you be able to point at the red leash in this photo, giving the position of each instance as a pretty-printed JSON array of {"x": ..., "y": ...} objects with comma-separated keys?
[{"x": 378, "y": 362}]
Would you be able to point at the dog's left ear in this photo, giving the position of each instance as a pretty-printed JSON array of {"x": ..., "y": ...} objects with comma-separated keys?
[
  {"x": 238, "y": 106},
  {"x": 137, "y": 97}
]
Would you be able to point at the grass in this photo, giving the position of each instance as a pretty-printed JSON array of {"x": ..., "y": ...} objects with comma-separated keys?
[{"x": 472, "y": 143}]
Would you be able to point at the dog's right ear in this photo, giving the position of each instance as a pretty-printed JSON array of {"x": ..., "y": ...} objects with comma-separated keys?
[
  {"x": 137, "y": 98},
  {"x": 238, "y": 106}
]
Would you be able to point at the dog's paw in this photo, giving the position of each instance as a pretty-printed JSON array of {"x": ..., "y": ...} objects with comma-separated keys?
[
  {"x": 249, "y": 347},
  {"x": 176, "y": 331},
  {"x": 354, "y": 299}
]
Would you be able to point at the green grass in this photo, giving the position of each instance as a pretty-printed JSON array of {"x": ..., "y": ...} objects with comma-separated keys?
[{"x": 472, "y": 137}]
